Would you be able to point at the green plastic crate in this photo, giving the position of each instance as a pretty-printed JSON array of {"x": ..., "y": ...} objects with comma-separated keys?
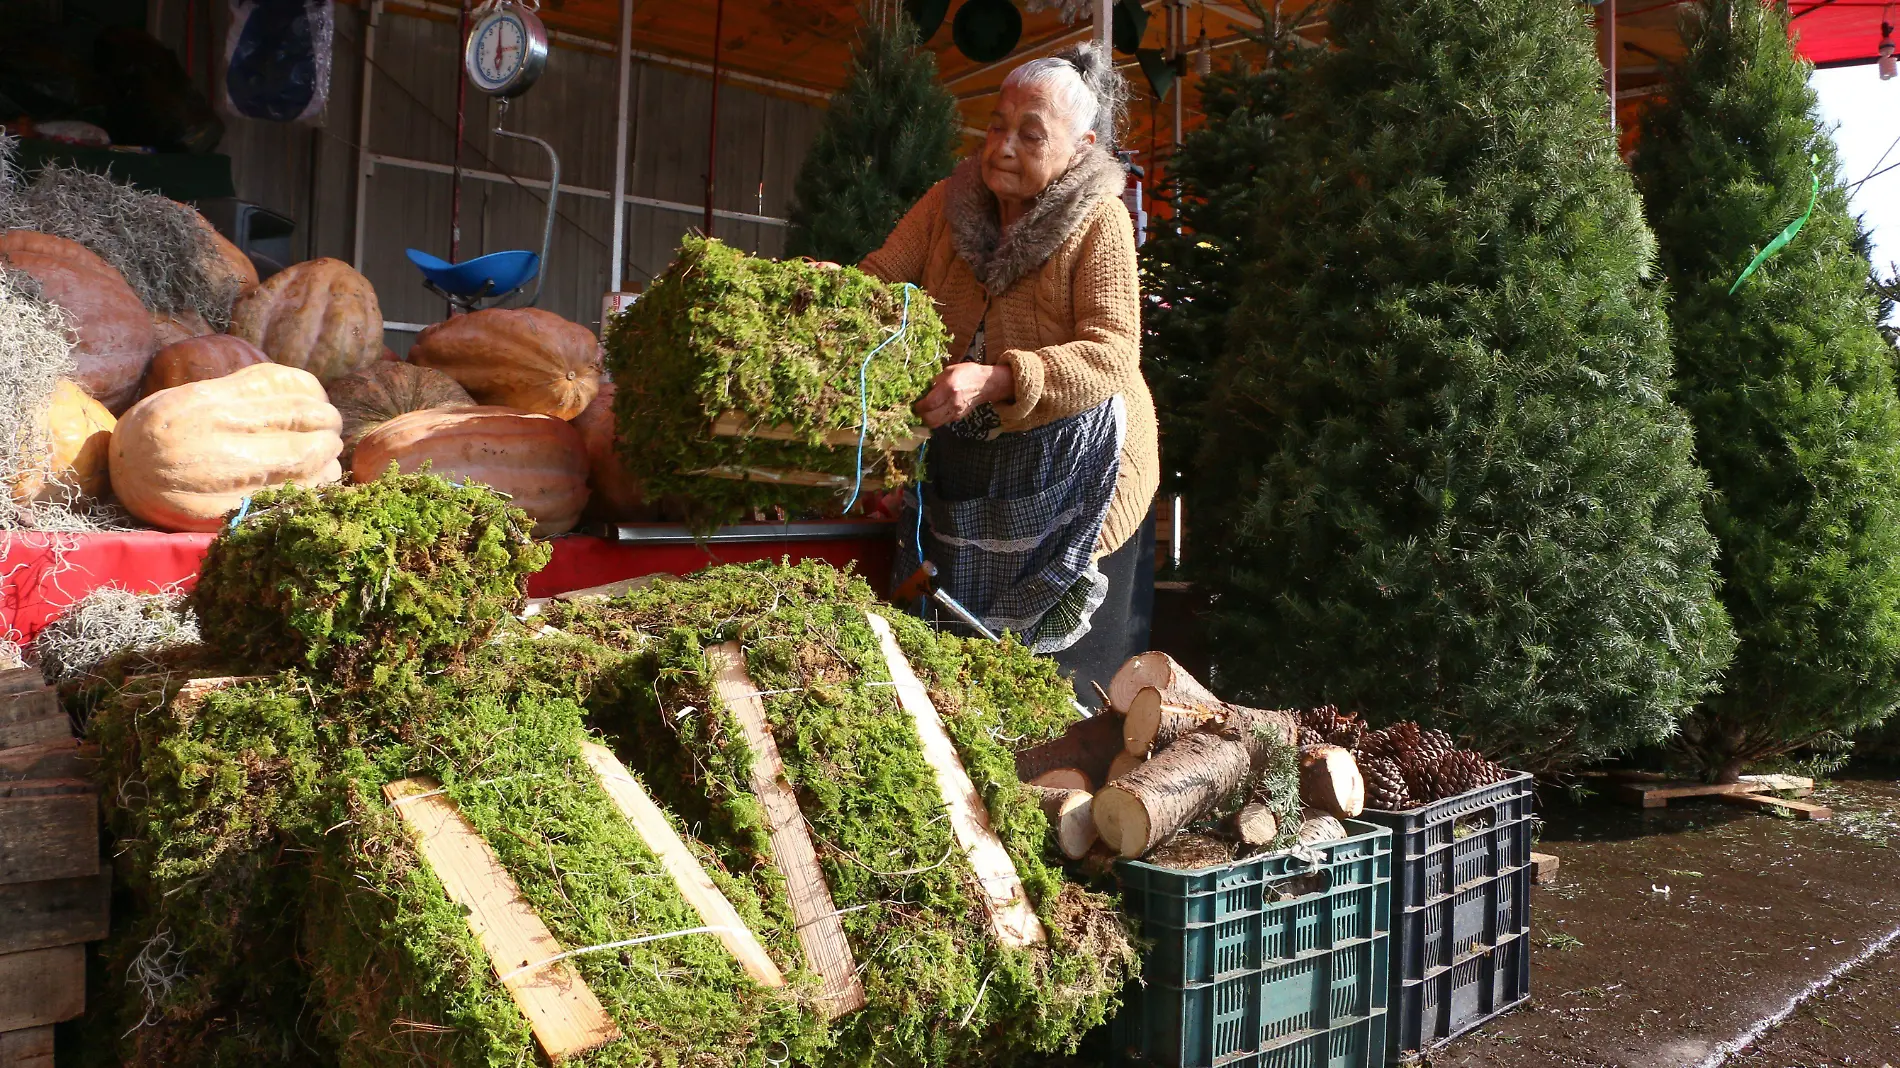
[{"x": 1271, "y": 962}]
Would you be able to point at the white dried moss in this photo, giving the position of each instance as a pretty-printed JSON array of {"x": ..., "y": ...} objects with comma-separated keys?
[
  {"x": 35, "y": 353},
  {"x": 108, "y": 622},
  {"x": 166, "y": 256}
]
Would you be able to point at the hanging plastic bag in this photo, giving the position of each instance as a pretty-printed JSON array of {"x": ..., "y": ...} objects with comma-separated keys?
[{"x": 277, "y": 59}]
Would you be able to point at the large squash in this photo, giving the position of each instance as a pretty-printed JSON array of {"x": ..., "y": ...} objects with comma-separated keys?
[
  {"x": 78, "y": 436},
  {"x": 179, "y": 326},
  {"x": 319, "y": 315},
  {"x": 540, "y": 462},
  {"x": 231, "y": 259},
  {"x": 518, "y": 357},
  {"x": 115, "y": 335},
  {"x": 616, "y": 495},
  {"x": 199, "y": 359},
  {"x": 368, "y": 399},
  {"x": 183, "y": 457}
]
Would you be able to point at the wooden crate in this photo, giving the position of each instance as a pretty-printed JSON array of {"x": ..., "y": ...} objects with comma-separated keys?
[{"x": 53, "y": 890}]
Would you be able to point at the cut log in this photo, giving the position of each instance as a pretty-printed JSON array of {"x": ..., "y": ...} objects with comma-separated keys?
[
  {"x": 1088, "y": 747},
  {"x": 1152, "y": 724},
  {"x": 1330, "y": 780},
  {"x": 1318, "y": 828},
  {"x": 1123, "y": 764},
  {"x": 561, "y": 1009},
  {"x": 1160, "y": 671},
  {"x": 1064, "y": 779},
  {"x": 1255, "y": 824},
  {"x": 814, "y": 913},
  {"x": 1188, "y": 779},
  {"x": 1071, "y": 819},
  {"x": 1012, "y": 919},
  {"x": 651, "y": 824}
]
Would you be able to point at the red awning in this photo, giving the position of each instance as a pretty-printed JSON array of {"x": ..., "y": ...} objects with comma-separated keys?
[{"x": 1838, "y": 33}]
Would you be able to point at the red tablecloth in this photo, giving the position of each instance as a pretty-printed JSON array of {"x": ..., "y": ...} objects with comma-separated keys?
[{"x": 43, "y": 573}]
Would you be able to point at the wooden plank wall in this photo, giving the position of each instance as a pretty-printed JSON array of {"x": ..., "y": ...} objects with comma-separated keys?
[{"x": 308, "y": 174}]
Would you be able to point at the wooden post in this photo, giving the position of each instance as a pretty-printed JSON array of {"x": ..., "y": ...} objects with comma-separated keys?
[
  {"x": 561, "y": 1009},
  {"x": 1012, "y": 920},
  {"x": 820, "y": 930},
  {"x": 657, "y": 832}
]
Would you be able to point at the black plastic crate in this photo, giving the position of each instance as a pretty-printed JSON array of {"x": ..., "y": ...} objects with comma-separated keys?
[
  {"x": 1461, "y": 912},
  {"x": 1271, "y": 962}
]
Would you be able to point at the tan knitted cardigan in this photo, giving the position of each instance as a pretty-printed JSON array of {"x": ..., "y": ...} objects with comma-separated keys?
[{"x": 1062, "y": 300}]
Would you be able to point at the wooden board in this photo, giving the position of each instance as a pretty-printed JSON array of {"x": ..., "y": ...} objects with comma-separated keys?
[
  {"x": 42, "y": 986},
  {"x": 49, "y": 829},
  {"x": 31, "y": 716},
  {"x": 1801, "y": 810},
  {"x": 1012, "y": 920},
  {"x": 1544, "y": 867},
  {"x": 64, "y": 758},
  {"x": 29, "y": 1047},
  {"x": 609, "y": 590},
  {"x": 561, "y": 1009},
  {"x": 21, "y": 680},
  {"x": 54, "y": 912},
  {"x": 1648, "y": 794},
  {"x": 735, "y": 425},
  {"x": 1799, "y": 785},
  {"x": 820, "y": 929},
  {"x": 695, "y": 886},
  {"x": 788, "y": 478}
]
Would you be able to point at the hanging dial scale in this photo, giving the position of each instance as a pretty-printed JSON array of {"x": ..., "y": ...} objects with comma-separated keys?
[{"x": 507, "y": 48}]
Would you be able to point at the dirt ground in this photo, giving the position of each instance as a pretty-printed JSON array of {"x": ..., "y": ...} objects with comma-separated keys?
[{"x": 1670, "y": 936}]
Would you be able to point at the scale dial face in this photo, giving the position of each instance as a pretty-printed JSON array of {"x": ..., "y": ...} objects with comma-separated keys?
[{"x": 507, "y": 51}]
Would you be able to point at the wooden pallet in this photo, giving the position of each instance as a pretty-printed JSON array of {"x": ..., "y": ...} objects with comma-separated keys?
[
  {"x": 1652, "y": 790},
  {"x": 53, "y": 890}
]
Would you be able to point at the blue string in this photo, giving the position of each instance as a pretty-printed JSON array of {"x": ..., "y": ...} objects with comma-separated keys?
[
  {"x": 244, "y": 509},
  {"x": 864, "y": 400},
  {"x": 920, "y": 501}
]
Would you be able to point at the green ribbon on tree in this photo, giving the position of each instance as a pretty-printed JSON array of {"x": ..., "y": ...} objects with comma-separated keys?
[{"x": 1781, "y": 239}]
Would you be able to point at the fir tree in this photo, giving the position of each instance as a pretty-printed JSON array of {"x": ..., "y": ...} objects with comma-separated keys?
[
  {"x": 1790, "y": 387},
  {"x": 1452, "y": 484},
  {"x": 1192, "y": 269},
  {"x": 892, "y": 132}
]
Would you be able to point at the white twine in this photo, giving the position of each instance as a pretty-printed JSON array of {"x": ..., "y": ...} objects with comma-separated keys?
[{"x": 505, "y": 976}]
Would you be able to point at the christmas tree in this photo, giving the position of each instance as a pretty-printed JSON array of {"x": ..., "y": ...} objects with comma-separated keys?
[
  {"x": 1790, "y": 387},
  {"x": 1451, "y": 483},
  {"x": 1191, "y": 268},
  {"x": 892, "y": 133}
]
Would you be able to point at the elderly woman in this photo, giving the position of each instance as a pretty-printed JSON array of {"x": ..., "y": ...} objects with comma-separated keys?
[{"x": 1042, "y": 464}]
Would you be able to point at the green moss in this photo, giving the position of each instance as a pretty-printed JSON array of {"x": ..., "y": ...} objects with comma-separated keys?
[
  {"x": 365, "y": 580},
  {"x": 940, "y": 991},
  {"x": 781, "y": 343}
]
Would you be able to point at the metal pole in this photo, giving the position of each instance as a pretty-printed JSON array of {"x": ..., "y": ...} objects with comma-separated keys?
[
  {"x": 1609, "y": 9},
  {"x": 1104, "y": 22},
  {"x": 712, "y": 130},
  {"x": 363, "y": 164},
  {"x": 461, "y": 130},
  {"x": 619, "y": 245}
]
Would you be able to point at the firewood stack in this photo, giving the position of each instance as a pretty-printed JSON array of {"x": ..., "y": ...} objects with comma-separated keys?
[
  {"x": 53, "y": 889},
  {"x": 1166, "y": 755}
]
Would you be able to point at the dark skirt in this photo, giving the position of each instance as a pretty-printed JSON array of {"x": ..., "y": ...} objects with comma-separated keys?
[{"x": 1119, "y": 627}]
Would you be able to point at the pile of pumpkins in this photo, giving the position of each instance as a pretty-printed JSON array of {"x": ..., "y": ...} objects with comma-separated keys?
[{"x": 183, "y": 423}]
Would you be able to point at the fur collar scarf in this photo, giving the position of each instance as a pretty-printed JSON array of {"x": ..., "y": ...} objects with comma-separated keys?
[{"x": 999, "y": 259}]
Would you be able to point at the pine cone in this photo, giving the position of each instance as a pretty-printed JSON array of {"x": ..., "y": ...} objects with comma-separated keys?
[
  {"x": 1429, "y": 780},
  {"x": 1348, "y": 732},
  {"x": 1310, "y": 736},
  {"x": 1434, "y": 744},
  {"x": 1385, "y": 784},
  {"x": 1399, "y": 742},
  {"x": 1320, "y": 720},
  {"x": 1468, "y": 770}
]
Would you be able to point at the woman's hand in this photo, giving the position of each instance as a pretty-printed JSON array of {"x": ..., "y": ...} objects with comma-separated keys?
[{"x": 963, "y": 386}]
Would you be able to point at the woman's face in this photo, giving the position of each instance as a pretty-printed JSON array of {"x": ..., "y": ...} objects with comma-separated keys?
[{"x": 1029, "y": 144}]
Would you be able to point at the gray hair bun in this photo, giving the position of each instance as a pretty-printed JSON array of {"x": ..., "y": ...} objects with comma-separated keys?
[{"x": 1094, "y": 62}]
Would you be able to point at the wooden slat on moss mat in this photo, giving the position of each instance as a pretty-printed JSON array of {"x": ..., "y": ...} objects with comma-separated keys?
[
  {"x": 1012, "y": 920},
  {"x": 787, "y": 478},
  {"x": 735, "y": 425},
  {"x": 651, "y": 824},
  {"x": 820, "y": 928},
  {"x": 561, "y": 1009}
]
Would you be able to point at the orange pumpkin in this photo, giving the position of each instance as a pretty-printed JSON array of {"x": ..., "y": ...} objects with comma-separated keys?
[
  {"x": 198, "y": 359},
  {"x": 184, "y": 457},
  {"x": 79, "y": 435},
  {"x": 115, "y": 335},
  {"x": 231, "y": 259},
  {"x": 319, "y": 315},
  {"x": 171, "y": 329},
  {"x": 616, "y": 495},
  {"x": 518, "y": 357},
  {"x": 538, "y": 461},
  {"x": 368, "y": 399}
]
